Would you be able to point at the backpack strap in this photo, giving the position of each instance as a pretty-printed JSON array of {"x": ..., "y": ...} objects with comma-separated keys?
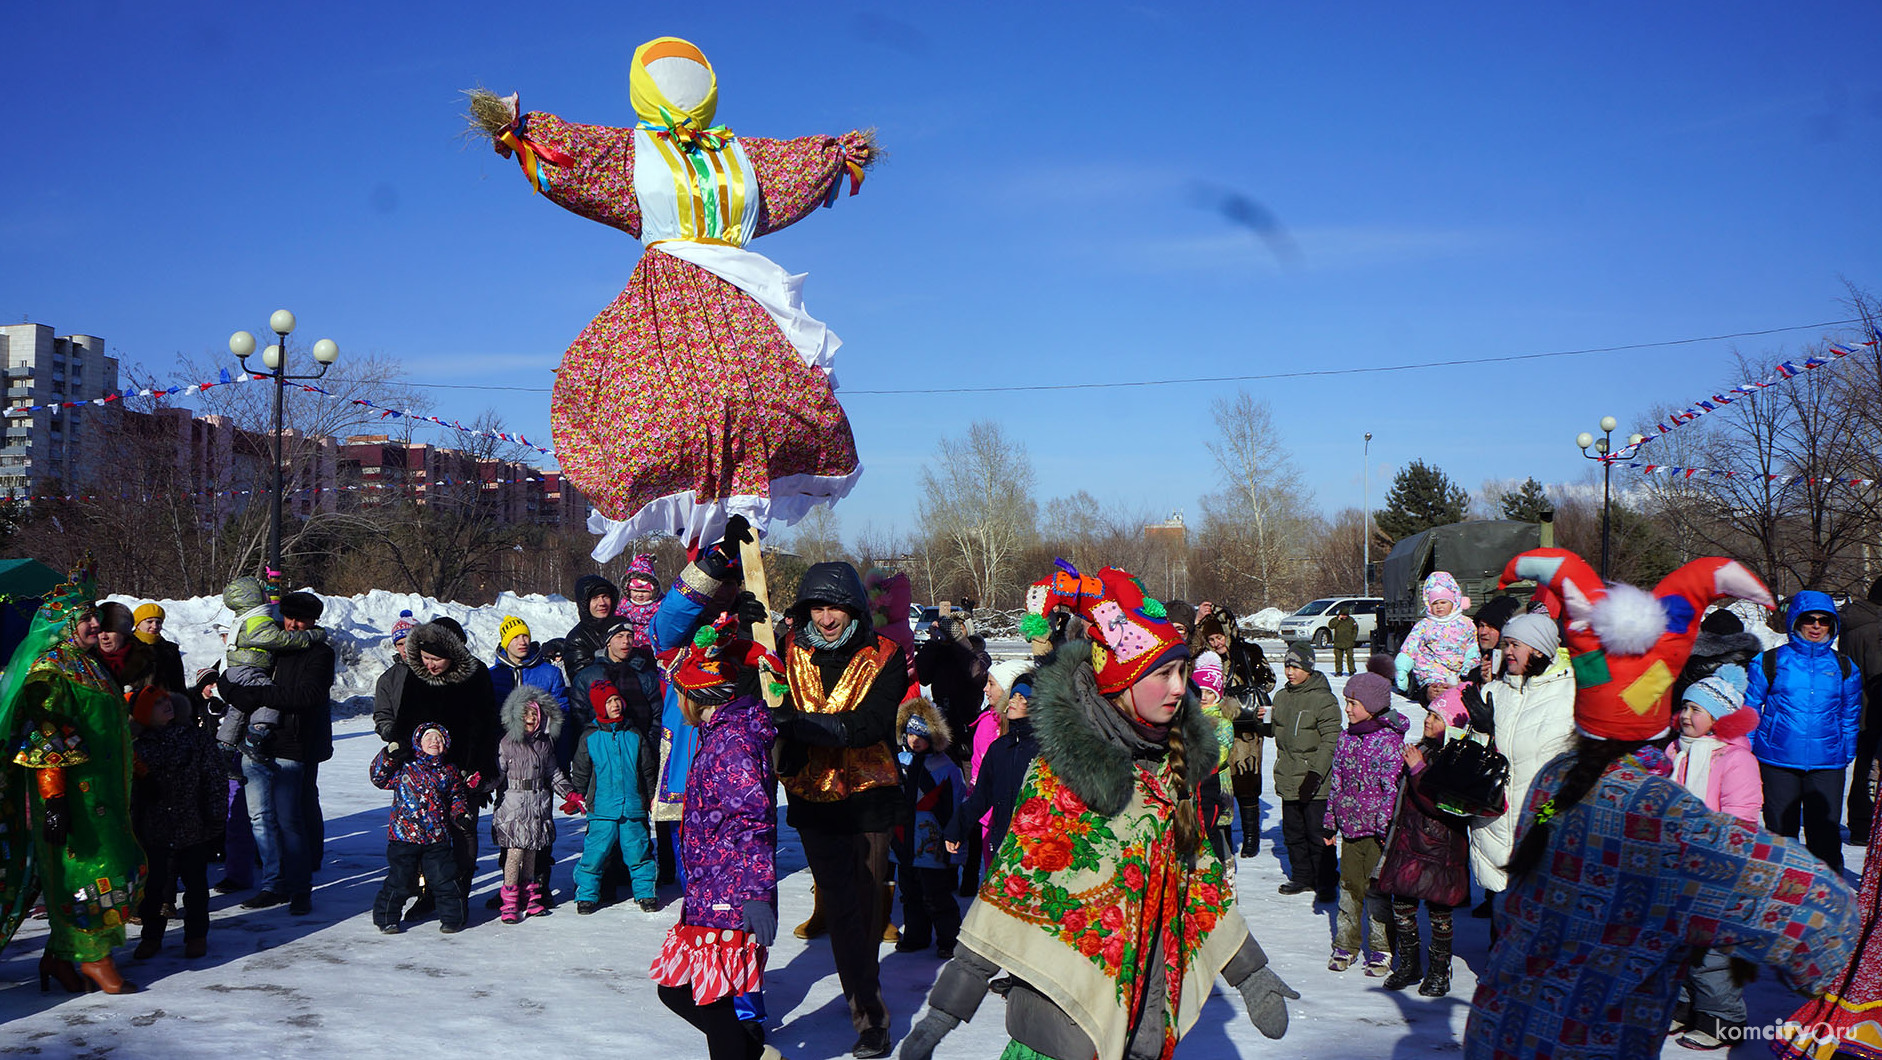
[{"x": 1770, "y": 665}]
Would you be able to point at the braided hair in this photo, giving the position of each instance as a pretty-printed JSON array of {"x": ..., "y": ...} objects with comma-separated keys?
[
  {"x": 1592, "y": 759},
  {"x": 1186, "y": 825}
]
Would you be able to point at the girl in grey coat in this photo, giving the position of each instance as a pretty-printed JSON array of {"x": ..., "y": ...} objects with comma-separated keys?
[{"x": 523, "y": 824}]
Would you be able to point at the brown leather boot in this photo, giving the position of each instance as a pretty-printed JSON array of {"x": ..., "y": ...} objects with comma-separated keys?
[
  {"x": 814, "y": 927},
  {"x": 886, "y": 913},
  {"x": 105, "y": 973}
]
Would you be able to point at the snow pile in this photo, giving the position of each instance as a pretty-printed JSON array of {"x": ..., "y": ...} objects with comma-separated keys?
[
  {"x": 360, "y": 629},
  {"x": 1267, "y": 620}
]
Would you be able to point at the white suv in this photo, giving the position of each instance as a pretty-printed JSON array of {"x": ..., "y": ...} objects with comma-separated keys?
[{"x": 1310, "y": 623}]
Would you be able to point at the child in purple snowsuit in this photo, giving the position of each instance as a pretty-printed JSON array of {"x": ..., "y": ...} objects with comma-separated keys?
[
  {"x": 710, "y": 970},
  {"x": 1364, "y": 792},
  {"x": 429, "y": 799}
]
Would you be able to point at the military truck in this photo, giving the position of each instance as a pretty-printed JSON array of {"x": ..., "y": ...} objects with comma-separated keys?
[{"x": 1474, "y": 552}]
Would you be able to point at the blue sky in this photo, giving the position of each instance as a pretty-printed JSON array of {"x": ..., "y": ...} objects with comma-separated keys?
[{"x": 1457, "y": 181}]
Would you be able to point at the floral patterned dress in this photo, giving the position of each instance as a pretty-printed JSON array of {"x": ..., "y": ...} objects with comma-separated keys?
[{"x": 704, "y": 389}]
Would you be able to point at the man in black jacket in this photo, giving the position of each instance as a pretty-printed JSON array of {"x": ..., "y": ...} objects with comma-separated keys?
[
  {"x": 836, "y": 736},
  {"x": 281, "y": 787},
  {"x": 437, "y": 679},
  {"x": 596, "y": 597}
]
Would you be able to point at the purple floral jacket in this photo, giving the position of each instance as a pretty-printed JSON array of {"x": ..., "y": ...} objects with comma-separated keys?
[
  {"x": 1366, "y": 766},
  {"x": 729, "y": 830}
]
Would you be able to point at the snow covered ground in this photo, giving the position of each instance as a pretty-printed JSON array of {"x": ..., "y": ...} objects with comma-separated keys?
[{"x": 328, "y": 984}]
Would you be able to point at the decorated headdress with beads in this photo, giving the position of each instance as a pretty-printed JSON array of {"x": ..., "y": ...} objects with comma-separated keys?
[
  {"x": 1627, "y": 645},
  {"x": 1129, "y": 631},
  {"x": 707, "y": 670},
  {"x": 75, "y": 597}
]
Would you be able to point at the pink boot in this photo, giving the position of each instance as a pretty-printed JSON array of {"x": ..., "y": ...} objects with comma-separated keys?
[
  {"x": 538, "y": 900},
  {"x": 512, "y": 904}
]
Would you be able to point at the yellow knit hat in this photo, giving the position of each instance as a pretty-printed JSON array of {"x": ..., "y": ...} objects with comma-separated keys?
[
  {"x": 150, "y": 610},
  {"x": 509, "y": 629}
]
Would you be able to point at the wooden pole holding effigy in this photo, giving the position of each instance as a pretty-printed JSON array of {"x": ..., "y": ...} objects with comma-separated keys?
[{"x": 751, "y": 560}]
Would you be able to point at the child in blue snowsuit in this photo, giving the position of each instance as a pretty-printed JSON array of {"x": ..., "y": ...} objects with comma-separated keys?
[{"x": 613, "y": 775}]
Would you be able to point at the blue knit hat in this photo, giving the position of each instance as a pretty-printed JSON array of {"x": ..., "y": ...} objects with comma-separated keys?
[
  {"x": 1719, "y": 693},
  {"x": 917, "y": 726}
]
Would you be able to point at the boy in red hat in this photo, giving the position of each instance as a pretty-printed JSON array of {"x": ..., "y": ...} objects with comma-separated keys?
[{"x": 613, "y": 772}]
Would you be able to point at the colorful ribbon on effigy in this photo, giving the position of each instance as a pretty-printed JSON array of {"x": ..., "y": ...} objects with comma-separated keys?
[
  {"x": 531, "y": 154},
  {"x": 687, "y": 134}
]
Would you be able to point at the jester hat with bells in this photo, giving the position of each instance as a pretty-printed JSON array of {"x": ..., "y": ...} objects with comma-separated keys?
[
  {"x": 707, "y": 670},
  {"x": 1627, "y": 645},
  {"x": 1130, "y": 634}
]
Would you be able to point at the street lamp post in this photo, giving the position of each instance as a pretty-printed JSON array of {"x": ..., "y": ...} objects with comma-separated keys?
[
  {"x": 275, "y": 359},
  {"x": 1365, "y": 517},
  {"x": 1602, "y": 446}
]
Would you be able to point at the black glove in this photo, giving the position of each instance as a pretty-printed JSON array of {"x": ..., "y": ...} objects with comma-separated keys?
[
  {"x": 782, "y": 717},
  {"x": 1310, "y": 785},
  {"x": 58, "y": 821},
  {"x": 751, "y": 611},
  {"x": 1264, "y": 992},
  {"x": 761, "y": 922},
  {"x": 920, "y": 1043},
  {"x": 465, "y": 823},
  {"x": 719, "y": 561}
]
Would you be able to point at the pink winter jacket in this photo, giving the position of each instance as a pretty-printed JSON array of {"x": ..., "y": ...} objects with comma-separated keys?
[
  {"x": 1733, "y": 786},
  {"x": 986, "y": 729}
]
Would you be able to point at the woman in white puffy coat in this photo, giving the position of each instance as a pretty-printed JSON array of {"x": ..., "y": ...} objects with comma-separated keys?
[{"x": 1533, "y": 706}]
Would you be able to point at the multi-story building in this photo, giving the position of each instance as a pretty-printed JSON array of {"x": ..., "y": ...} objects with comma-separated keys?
[
  {"x": 378, "y": 469},
  {"x": 49, "y": 451}
]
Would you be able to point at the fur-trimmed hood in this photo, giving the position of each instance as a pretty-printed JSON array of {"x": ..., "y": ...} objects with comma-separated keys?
[
  {"x": 438, "y": 640},
  {"x": 940, "y": 736},
  {"x": 522, "y": 696},
  {"x": 1095, "y": 765},
  {"x": 1717, "y": 649}
]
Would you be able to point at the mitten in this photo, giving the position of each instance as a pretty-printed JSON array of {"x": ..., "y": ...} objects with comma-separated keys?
[
  {"x": 475, "y": 781},
  {"x": 761, "y": 923},
  {"x": 1266, "y": 995},
  {"x": 1310, "y": 785},
  {"x": 920, "y": 1043},
  {"x": 719, "y": 561},
  {"x": 751, "y": 611},
  {"x": 398, "y": 753},
  {"x": 573, "y": 804},
  {"x": 465, "y": 823},
  {"x": 1402, "y": 666},
  {"x": 58, "y": 821}
]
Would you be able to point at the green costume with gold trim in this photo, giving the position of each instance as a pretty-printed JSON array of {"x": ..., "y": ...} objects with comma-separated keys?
[{"x": 60, "y": 709}]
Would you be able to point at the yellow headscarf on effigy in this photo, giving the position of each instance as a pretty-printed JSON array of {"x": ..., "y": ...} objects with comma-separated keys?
[{"x": 674, "y": 93}]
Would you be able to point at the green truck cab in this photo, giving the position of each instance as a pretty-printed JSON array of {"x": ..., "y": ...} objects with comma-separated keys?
[{"x": 1474, "y": 552}]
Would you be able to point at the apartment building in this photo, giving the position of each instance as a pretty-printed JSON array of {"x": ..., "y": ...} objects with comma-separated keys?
[{"x": 53, "y": 451}]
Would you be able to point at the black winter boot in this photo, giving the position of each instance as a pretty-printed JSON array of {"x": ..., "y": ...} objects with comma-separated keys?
[
  {"x": 1405, "y": 944},
  {"x": 1438, "y": 976}
]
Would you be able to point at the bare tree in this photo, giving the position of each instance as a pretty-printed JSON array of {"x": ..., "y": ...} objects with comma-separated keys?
[
  {"x": 1254, "y": 524},
  {"x": 817, "y": 537},
  {"x": 977, "y": 507}
]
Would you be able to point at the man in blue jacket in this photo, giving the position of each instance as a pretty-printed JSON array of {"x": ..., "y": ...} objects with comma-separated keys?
[{"x": 1809, "y": 698}]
